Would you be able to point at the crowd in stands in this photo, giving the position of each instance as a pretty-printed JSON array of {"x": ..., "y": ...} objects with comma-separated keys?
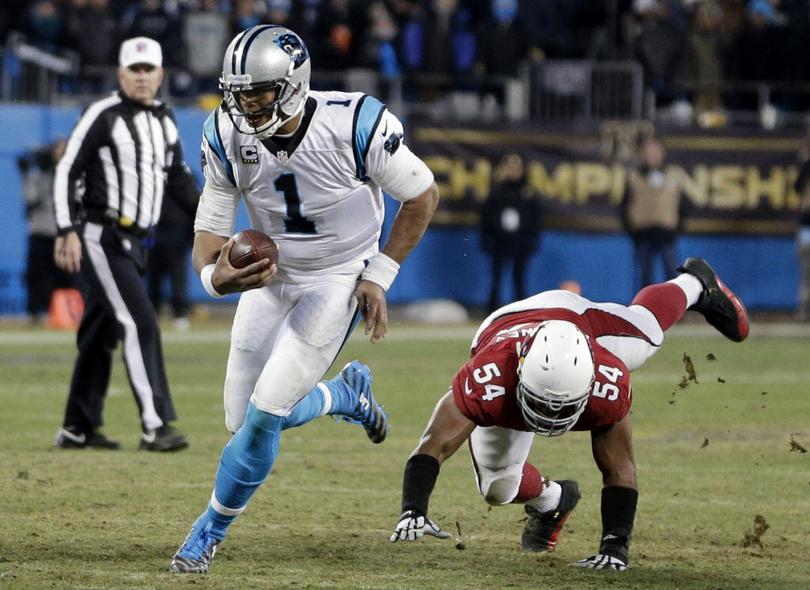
[{"x": 688, "y": 48}]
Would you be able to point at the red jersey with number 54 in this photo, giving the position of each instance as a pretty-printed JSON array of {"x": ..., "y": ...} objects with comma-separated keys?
[{"x": 484, "y": 388}]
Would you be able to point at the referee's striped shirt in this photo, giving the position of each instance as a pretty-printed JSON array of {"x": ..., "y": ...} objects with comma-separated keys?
[{"x": 120, "y": 162}]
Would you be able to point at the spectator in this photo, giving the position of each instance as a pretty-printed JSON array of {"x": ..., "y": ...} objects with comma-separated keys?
[
  {"x": 307, "y": 11},
  {"x": 449, "y": 39},
  {"x": 659, "y": 44},
  {"x": 410, "y": 18},
  {"x": 652, "y": 212},
  {"x": 42, "y": 275},
  {"x": 204, "y": 60},
  {"x": 279, "y": 12},
  {"x": 92, "y": 32},
  {"x": 246, "y": 14},
  {"x": 803, "y": 235},
  {"x": 44, "y": 25},
  {"x": 379, "y": 50},
  {"x": 510, "y": 226},
  {"x": 550, "y": 24},
  {"x": 437, "y": 39},
  {"x": 703, "y": 59},
  {"x": 502, "y": 46},
  {"x": 154, "y": 19},
  {"x": 169, "y": 258},
  {"x": 760, "y": 50},
  {"x": 334, "y": 35}
]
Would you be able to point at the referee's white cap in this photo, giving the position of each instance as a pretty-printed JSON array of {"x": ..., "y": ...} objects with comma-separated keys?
[{"x": 140, "y": 50}]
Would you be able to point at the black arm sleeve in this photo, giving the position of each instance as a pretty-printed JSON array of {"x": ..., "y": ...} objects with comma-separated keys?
[
  {"x": 618, "y": 514},
  {"x": 421, "y": 473}
]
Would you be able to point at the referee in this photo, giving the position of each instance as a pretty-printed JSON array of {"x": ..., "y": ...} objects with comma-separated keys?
[{"x": 122, "y": 159}]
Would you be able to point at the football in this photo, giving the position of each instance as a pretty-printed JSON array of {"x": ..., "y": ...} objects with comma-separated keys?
[{"x": 251, "y": 246}]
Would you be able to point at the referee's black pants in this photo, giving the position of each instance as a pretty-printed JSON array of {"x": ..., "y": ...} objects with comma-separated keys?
[{"x": 117, "y": 308}]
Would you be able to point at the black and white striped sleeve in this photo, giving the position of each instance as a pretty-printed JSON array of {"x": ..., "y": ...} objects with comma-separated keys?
[{"x": 84, "y": 140}]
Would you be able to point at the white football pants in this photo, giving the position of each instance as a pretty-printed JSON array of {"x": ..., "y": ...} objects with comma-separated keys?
[{"x": 284, "y": 338}]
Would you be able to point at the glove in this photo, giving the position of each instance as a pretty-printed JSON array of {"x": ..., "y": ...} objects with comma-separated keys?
[
  {"x": 412, "y": 526},
  {"x": 600, "y": 561}
]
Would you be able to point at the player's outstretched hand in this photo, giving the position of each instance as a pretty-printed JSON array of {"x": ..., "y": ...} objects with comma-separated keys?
[
  {"x": 227, "y": 279},
  {"x": 600, "y": 561},
  {"x": 412, "y": 526},
  {"x": 373, "y": 306}
]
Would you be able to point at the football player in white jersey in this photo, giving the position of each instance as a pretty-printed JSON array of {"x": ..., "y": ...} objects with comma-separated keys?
[{"x": 310, "y": 168}]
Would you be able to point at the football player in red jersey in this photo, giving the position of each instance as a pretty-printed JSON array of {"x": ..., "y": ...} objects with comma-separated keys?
[{"x": 549, "y": 364}]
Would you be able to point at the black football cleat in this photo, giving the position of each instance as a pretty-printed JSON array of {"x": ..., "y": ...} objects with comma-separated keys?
[
  {"x": 164, "y": 439},
  {"x": 70, "y": 437},
  {"x": 718, "y": 304},
  {"x": 543, "y": 528}
]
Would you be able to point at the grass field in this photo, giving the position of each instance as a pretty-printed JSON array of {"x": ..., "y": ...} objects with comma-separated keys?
[{"x": 710, "y": 458}]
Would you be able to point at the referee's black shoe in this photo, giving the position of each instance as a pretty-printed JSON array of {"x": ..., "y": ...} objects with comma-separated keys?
[
  {"x": 71, "y": 437},
  {"x": 163, "y": 439}
]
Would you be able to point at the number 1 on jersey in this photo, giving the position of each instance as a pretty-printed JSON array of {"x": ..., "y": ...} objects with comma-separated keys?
[{"x": 294, "y": 223}]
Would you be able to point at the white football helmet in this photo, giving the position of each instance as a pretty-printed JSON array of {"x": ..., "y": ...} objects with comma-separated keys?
[
  {"x": 555, "y": 374},
  {"x": 265, "y": 57}
]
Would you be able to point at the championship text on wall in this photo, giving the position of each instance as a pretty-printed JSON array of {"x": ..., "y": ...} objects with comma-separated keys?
[{"x": 738, "y": 181}]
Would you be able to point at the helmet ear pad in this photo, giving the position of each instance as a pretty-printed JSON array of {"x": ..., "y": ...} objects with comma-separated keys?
[{"x": 556, "y": 373}]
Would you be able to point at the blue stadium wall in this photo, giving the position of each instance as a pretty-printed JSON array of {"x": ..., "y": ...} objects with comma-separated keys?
[{"x": 449, "y": 262}]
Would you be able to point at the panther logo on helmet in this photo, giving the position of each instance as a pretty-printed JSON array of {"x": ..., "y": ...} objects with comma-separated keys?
[
  {"x": 294, "y": 47},
  {"x": 556, "y": 373}
]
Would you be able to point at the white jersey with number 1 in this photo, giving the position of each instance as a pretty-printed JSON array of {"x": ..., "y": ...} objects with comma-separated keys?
[{"x": 319, "y": 194}]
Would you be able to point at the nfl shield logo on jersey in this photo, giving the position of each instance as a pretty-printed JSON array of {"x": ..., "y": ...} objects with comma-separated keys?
[{"x": 282, "y": 156}]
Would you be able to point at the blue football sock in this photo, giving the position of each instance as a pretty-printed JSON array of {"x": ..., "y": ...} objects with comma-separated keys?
[
  {"x": 309, "y": 408},
  {"x": 344, "y": 398},
  {"x": 343, "y": 402},
  {"x": 219, "y": 522},
  {"x": 244, "y": 465}
]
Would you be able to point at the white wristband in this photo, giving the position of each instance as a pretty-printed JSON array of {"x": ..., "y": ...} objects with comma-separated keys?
[
  {"x": 381, "y": 270},
  {"x": 205, "y": 278}
]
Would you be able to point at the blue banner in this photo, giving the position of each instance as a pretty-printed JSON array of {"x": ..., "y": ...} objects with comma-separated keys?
[{"x": 758, "y": 261}]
